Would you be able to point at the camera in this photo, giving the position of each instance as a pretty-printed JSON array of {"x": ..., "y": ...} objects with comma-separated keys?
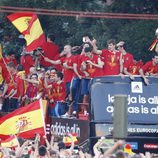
[{"x": 84, "y": 39}]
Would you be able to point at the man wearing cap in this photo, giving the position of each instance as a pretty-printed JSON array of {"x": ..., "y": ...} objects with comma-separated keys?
[{"x": 126, "y": 59}]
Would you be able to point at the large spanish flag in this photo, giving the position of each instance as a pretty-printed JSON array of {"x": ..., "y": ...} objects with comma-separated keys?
[
  {"x": 29, "y": 25},
  {"x": 25, "y": 121}
]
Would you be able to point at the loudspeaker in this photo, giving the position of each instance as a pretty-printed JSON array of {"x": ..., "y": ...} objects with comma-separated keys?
[{"x": 120, "y": 116}]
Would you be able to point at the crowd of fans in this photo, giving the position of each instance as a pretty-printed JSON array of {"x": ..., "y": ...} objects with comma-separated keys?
[{"x": 56, "y": 148}]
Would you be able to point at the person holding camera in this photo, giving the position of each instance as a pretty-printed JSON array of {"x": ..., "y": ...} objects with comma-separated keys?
[{"x": 91, "y": 66}]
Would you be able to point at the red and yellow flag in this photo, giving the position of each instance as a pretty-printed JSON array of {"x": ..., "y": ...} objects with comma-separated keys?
[
  {"x": 153, "y": 44},
  {"x": 25, "y": 121},
  {"x": 1, "y": 51},
  {"x": 10, "y": 142},
  {"x": 67, "y": 140},
  {"x": 29, "y": 25}
]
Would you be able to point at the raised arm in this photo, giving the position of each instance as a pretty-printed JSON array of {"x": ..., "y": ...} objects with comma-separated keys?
[
  {"x": 141, "y": 72},
  {"x": 55, "y": 62}
]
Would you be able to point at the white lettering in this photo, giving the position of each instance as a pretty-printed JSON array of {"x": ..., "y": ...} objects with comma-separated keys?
[{"x": 61, "y": 130}]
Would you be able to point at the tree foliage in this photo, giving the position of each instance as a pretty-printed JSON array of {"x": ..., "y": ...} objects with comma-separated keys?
[{"x": 138, "y": 34}]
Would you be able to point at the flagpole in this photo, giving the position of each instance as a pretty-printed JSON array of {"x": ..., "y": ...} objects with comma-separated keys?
[
  {"x": 42, "y": 114},
  {"x": 6, "y": 63}
]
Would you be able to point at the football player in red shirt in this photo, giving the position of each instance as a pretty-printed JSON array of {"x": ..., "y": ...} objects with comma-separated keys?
[
  {"x": 149, "y": 69},
  {"x": 15, "y": 88},
  {"x": 67, "y": 66},
  {"x": 126, "y": 59},
  {"x": 91, "y": 63},
  {"x": 111, "y": 59},
  {"x": 51, "y": 50}
]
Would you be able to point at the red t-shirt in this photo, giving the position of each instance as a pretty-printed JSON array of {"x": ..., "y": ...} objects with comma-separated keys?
[
  {"x": 4, "y": 70},
  {"x": 17, "y": 85},
  {"x": 8, "y": 60},
  {"x": 111, "y": 62},
  {"x": 133, "y": 68},
  {"x": 20, "y": 85},
  {"x": 26, "y": 61},
  {"x": 32, "y": 90},
  {"x": 51, "y": 51},
  {"x": 58, "y": 91},
  {"x": 77, "y": 60},
  {"x": 68, "y": 73},
  {"x": 150, "y": 68},
  {"x": 140, "y": 63},
  {"x": 91, "y": 69},
  {"x": 127, "y": 59}
]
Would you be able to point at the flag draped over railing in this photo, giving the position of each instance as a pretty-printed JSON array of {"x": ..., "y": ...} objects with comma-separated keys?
[{"x": 29, "y": 26}]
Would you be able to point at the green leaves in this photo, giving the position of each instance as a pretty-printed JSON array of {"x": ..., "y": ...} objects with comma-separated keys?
[{"x": 138, "y": 34}]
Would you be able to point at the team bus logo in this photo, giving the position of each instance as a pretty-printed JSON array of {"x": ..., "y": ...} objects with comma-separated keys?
[{"x": 136, "y": 87}]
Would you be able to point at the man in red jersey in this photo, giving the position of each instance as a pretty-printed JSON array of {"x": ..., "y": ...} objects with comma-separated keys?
[
  {"x": 111, "y": 59},
  {"x": 91, "y": 65},
  {"x": 33, "y": 89},
  {"x": 132, "y": 69},
  {"x": 9, "y": 58},
  {"x": 26, "y": 60},
  {"x": 75, "y": 96},
  {"x": 126, "y": 59},
  {"x": 150, "y": 69},
  {"x": 15, "y": 89},
  {"x": 75, "y": 89},
  {"x": 60, "y": 91},
  {"x": 67, "y": 66},
  {"x": 51, "y": 50},
  {"x": 3, "y": 74}
]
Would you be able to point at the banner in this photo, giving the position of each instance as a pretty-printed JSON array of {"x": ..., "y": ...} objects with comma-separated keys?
[
  {"x": 62, "y": 126},
  {"x": 29, "y": 25},
  {"x": 142, "y": 100}
]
